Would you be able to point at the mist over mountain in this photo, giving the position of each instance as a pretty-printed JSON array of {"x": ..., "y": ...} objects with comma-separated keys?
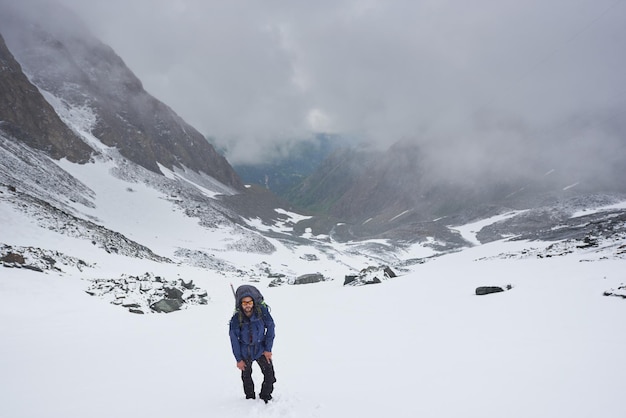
[
  {"x": 291, "y": 166},
  {"x": 403, "y": 188},
  {"x": 26, "y": 115},
  {"x": 61, "y": 57}
]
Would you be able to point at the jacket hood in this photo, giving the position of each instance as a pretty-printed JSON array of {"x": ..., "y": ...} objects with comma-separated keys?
[{"x": 245, "y": 295}]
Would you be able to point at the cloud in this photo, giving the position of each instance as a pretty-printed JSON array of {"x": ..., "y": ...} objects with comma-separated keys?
[{"x": 258, "y": 74}]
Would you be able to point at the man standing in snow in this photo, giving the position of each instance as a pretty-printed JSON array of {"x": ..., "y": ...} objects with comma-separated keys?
[{"x": 252, "y": 337}]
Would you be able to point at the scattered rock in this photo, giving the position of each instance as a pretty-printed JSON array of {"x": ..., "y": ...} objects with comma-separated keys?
[
  {"x": 148, "y": 293},
  {"x": 309, "y": 278},
  {"x": 277, "y": 282},
  {"x": 485, "y": 290},
  {"x": 369, "y": 275},
  {"x": 38, "y": 259},
  {"x": 588, "y": 242},
  {"x": 619, "y": 292},
  {"x": 33, "y": 268},
  {"x": 276, "y": 276}
]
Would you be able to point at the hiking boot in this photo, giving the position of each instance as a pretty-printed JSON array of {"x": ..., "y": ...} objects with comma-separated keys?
[
  {"x": 251, "y": 396},
  {"x": 266, "y": 398}
]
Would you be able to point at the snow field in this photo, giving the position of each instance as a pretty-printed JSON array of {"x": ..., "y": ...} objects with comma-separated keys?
[{"x": 419, "y": 345}]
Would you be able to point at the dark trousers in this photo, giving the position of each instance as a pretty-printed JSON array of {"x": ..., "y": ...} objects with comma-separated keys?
[{"x": 268, "y": 378}]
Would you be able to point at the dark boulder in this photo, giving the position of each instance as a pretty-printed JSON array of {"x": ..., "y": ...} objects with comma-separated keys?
[
  {"x": 349, "y": 278},
  {"x": 485, "y": 290},
  {"x": 33, "y": 268},
  {"x": 389, "y": 273},
  {"x": 173, "y": 293},
  {"x": 136, "y": 311},
  {"x": 167, "y": 305},
  {"x": 188, "y": 286},
  {"x": 309, "y": 278},
  {"x": 13, "y": 258}
]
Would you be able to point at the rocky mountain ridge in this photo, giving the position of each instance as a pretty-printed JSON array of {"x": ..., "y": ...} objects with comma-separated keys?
[
  {"x": 61, "y": 57},
  {"x": 397, "y": 194},
  {"x": 27, "y": 116}
]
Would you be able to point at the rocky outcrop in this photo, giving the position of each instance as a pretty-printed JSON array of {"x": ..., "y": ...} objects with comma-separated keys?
[
  {"x": 63, "y": 58},
  {"x": 38, "y": 259},
  {"x": 55, "y": 219},
  {"x": 26, "y": 116},
  {"x": 369, "y": 275},
  {"x": 148, "y": 293}
]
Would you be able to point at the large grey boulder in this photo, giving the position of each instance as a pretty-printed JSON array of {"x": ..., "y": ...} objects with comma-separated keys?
[
  {"x": 309, "y": 278},
  {"x": 486, "y": 290},
  {"x": 167, "y": 305}
]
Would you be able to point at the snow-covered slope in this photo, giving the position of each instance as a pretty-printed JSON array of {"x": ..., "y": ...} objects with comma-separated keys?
[{"x": 422, "y": 344}]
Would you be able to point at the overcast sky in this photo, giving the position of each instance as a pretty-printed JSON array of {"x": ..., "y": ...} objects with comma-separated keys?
[{"x": 257, "y": 74}]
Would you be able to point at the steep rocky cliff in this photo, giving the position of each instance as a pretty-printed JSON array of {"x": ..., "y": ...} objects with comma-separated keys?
[
  {"x": 28, "y": 117},
  {"x": 61, "y": 57}
]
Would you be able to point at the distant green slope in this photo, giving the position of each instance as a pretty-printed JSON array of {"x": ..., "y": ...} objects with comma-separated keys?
[{"x": 280, "y": 176}]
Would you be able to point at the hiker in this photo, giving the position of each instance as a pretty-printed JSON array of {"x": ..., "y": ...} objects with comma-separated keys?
[{"x": 252, "y": 337}]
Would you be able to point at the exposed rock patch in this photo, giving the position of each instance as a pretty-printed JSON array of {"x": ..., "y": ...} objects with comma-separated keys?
[
  {"x": 309, "y": 278},
  {"x": 619, "y": 292},
  {"x": 370, "y": 275},
  {"x": 486, "y": 290},
  {"x": 148, "y": 293},
  {"x": 37, "y": 259}
]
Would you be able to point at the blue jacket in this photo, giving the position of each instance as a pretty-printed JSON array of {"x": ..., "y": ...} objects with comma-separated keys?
[{"x": 250, "y": 337}]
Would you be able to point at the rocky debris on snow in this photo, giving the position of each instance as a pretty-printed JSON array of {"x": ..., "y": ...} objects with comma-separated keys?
[
  {"x": 370, "y": 275},
  {"x": 485, "y": 290},
  {"x": 265, "y": 268},
  {"x": 148, "y": 293},
  {"x": 555, "y": 222},
  {"x": 37, "y": 259},
  {"x": 309, "y": 257},
  {"x": 601, "y": 247},
  {"x": 54, "y": 219},
  {"x": 32, "y": 172},
  {"x": 619, "y": 292},
  {"x": 276, "y": 282}
]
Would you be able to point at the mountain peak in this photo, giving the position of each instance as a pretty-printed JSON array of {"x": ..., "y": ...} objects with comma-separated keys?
[{"x": 69, "y": 63}]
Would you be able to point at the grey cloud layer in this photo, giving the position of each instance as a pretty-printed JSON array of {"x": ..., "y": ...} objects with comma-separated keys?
[{"x": 257, "y": 74}]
